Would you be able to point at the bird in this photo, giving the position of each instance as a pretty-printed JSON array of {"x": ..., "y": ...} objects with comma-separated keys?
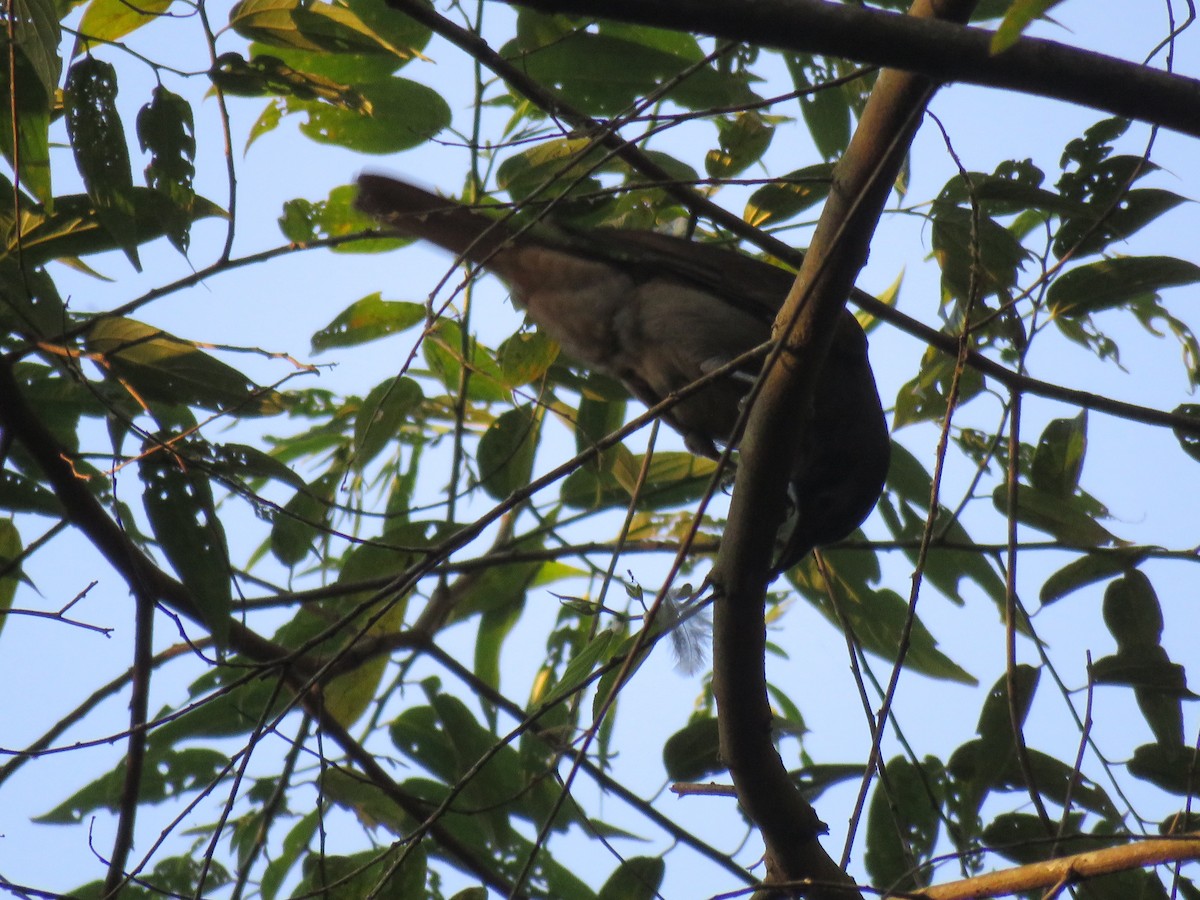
[{"x": 657, "y": 312}]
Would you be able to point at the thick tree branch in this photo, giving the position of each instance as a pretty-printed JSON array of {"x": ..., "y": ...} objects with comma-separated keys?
[
  {"x": 775, "y": 438},
  {"x": 940, "y": 50},
  {"x": 1068, "y": 869}
]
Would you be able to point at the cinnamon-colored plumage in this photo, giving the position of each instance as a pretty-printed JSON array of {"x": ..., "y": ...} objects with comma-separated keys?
[{"x": 659, "y": 312}]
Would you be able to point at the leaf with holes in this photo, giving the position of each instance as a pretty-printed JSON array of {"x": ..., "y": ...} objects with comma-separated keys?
[
  {"x": 101, "y": 154},
  {"x": 179, "y": 504}
]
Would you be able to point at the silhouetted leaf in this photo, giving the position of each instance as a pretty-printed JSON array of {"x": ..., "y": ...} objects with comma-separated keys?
[
  {"x": 179, "y": 504},
  {"x": 1058, "y": 460},
  {"x": 637, "y": 878},
  {"x": 693, "y": 752},
  {"x": 506, "y": 451},
  {"x": 101, "y": 154},
  {"x": 1097, "y": 565}
]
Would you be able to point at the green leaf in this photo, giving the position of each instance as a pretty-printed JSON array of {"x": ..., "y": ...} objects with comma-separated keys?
[
  {"x": 1116, "y": 282},
  {"x": 877, "y": 617},
  {"x": 266, "y": 74},
  {"x": 367, "y": 320},
  {"x": 554, "y": 168},
  {"x": 179, "y": 504},
  {"x": 789, "y": 195},
  {"x": 241, "y": 462},
  {"x": 596, "y": 652},
  {"x": 924, "y": 398},
  {"x": 1135, "y": 209},
  {"x": 368, "y": 803},
  {"x": 1100, "y": 183},
  {"x": 693, "y": 752},
  {"x": 229, "y": 708},
  {"x": 443, "y": 349},
  {"x": 1058, "y": 460},
  {"x": 506, "y": 451},
  {"x": 903, "y": 823},
  {"x": 417, "y": 732},
  {"x": 101, "y": 154},
  {"x": 402, "y": 114},
  {"x": 19, "y": 493},
  {"x": 282, "y": 862},
  {"x": 499, "y": 589},
  {"x": 1068, "y": 519},
  {"x": 74, "y": 228},
  {"x": 828, "y": 108},
  {"x": 1090, "y": 568},
  {"x": 10, "y": 571},
  {"x": 105, "y": 21},
  {"x": 369, "y": 873},
  {"x": 166, "y": 129},
  {"x": 301, "y": 521},
  {"x": 1132, "y": 612},
  {"x": 310, "y": 25},
  {"x": 996, "y": 717},
  {"x": 743, "y": 139},
  {"x": 1189, "y": 441},
  {"x": 402, "y": 32},
  {"x": 351, "y": 694},
  {"x": 165, "y": 775},
  {"x": 1175, "y": 769},
  {"x": 383, "y": 411},
  {"x": 304, "y": 220},
  {"x": 34, "y": 106},
  {"x": 1143, "y": 667},
  {"x": 1021, "y": 837},
  {"x": 974, "y": 253},
  {"x": 496, "y": 623},
  {"x": 1020, "y": 15},
  {"x": 828, "y": 115},
  {"x": 604, "y": 73},
  {"x": 38, "y": 34},
  {"x": 29, "y": 81},
  {"x": 814, "y": 780},
  {"x": 637, "y": 878},
  {"x": 526, "y": 357},
  {"x": 599, "y": 414},
  {"x": 673, "y": 478},
  {"x": 158, "y": 366},
  {"x": 945, "y": 567}
]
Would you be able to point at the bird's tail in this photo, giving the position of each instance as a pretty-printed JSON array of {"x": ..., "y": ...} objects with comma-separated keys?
[{"x": 415, "y": 212}]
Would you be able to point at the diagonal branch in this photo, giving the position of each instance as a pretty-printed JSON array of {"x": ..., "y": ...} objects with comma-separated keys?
[{"x": 1068, "y": 869}]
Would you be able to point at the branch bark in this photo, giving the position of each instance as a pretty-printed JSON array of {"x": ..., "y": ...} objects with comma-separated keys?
[
  {"x": 941, "y": 50},
  {"x": 1068, "y": 869},
  {"x": 775, "y": 438}
]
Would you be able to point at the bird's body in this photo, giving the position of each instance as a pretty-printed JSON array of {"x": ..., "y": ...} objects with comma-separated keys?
[{"x": 658, "y": 313}]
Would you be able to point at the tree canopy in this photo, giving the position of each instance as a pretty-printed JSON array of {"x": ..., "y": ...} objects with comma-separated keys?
[{"x": 325, "y": 574}]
